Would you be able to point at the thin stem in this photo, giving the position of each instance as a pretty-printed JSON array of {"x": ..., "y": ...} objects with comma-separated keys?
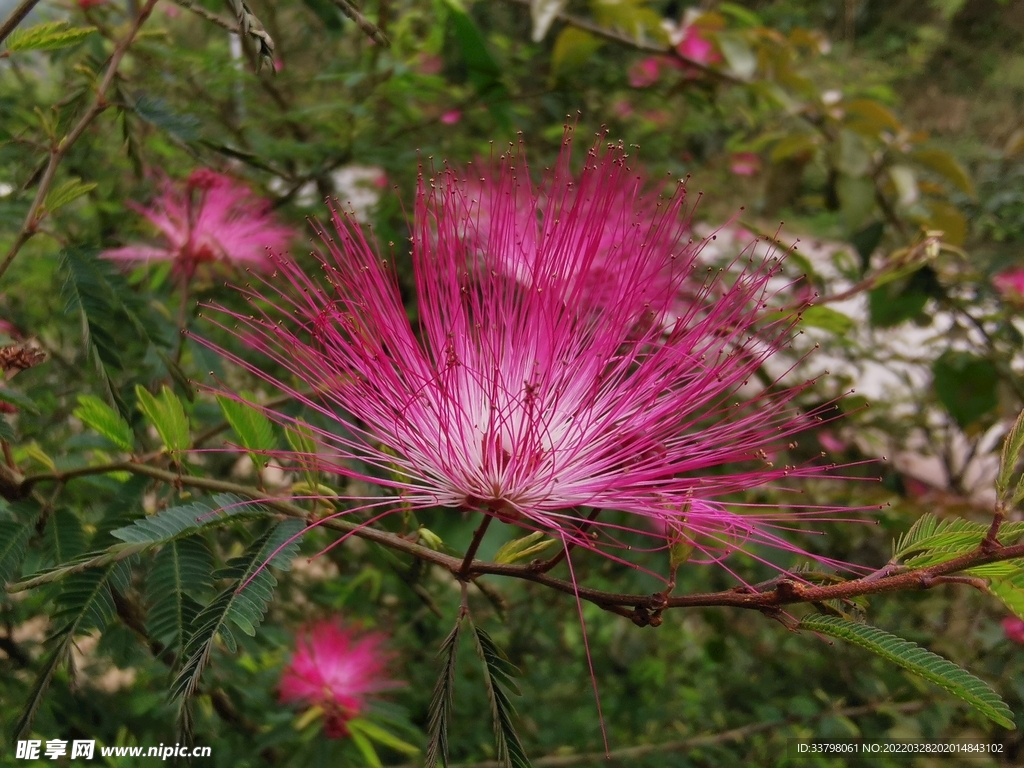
[
  {"x": 772, "y": 595},
  {"x": 31, "y": 224},
  {"x": 547, "y": 565},
  {"x": 16, "y": 17},
  {"x": 370, "y": 29},
  {"x": 199, "y": 10},
  {"x": 474, "y": 545}
]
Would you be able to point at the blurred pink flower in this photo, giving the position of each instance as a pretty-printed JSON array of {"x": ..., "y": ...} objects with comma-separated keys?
[
  {"x": 696, "y": 47},
  {"x": 645, "y": 72},
  {"x": 430, "y": 64},
  {"x": 745, "y": 163},
  {"x": 451, "y": 117},
  {"x": 337, "y": 668},
  {"x": 87, "y": 4},
  {"x": 1014, "y": 629},
  {"x": 211, "y": 218},
  {"x": 1010, "y": 283},
  {"x": 530, "y": 396}
]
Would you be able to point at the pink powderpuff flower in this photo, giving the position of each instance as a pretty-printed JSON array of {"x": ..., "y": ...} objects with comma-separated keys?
[
  {"x": 531, "y": 399},
  {"x": 338, "y": 669},
  {"x": 646, "y": 72},
  {"x": 451, "y": 117},
  {"x": 1010, "y": 283},
  {"x": 696, "y": 47},
  {"x": 745, "y": 163},
  {"x": 212, "y": 218},
  {"x": 1014, "y": 629}
]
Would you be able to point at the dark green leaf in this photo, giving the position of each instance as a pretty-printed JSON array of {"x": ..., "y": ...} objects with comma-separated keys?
[
  {"x": 177, "y": 522},
  {"x": 966, "y": 386},
  {"x": 158, "y": 112},
  {"x": 499, "y": 683},
  {"x": 243, "y": 604},
  {"x": 442, "y": 699},
  {"x": 919, "y": 661},
  {"x": 181, "y": 569}
]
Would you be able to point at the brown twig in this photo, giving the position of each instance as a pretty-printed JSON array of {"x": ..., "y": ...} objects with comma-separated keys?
[
  {"x": 370, "y": 29},
  {"x": 633, "y": 606},
  {"x": 474, "y": 545},
  {"x": 17, "y": 16},
  {"x": 32, "y": 219},
  {"x": 618, "y": 37}
]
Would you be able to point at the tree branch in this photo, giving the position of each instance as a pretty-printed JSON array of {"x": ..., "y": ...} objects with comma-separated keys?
[
  {"x": 17, "y": 16},
  {"x": 784, "y": 590},
  {"x": 57, "y": 153}
]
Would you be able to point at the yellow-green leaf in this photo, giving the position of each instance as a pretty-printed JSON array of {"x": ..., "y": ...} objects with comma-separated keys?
[
  {"x": 946, "y": 166},
  {"x": 166, "y": 414},
  {"x": 66, "y": 192},
  {"x": 105, "y": 420},
  {"x": 49, "y": 36},
  {"x": 573, "y": 48}
]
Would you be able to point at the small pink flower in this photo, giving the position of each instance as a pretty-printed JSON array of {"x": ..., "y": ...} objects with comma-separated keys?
[
  {"x": 429, "y": 64},
  {"x": 1014, "y": 629},
  {"x": 830, "y": 442},
  {"x": 87, "y": 4},
  {"x": 745, "y": 163},
  {"x": 1010, "y": 283},
  {"x": 211, "y": 218},
  {"x": 337, "y": 668},
  {"x": 451, "y": 117},
  {"x": 646, "y": 72},
  {"x": 696, "y": 47}
]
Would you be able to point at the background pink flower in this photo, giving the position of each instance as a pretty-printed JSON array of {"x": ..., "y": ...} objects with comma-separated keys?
[
  {"x": 337, "y": 668},
  {"x": 209, "y": 218},
  {"x": 1010, "y": 283},
  {"x": 1014, "y": 629},
  {"x": 745, "y": 163},
  {"x": 645, "y": 72}
]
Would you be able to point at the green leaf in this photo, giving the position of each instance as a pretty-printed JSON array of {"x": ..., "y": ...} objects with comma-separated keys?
[
  {"x": 918, "y": 661},
  {"x": 966, "y": 386},
  {"x": 179, "y": 522},
  {"x": 484, "y": 73},
  {"x": 366, "y": 749},
  {"x": 158, "y": 112},
  {"x": 167, "y": 415},
  {"x": 7, "y": 431},
  {"x": 827, "y": 319},
  {"x": 946, "y": 165},
  {"x": 14, "y": 538},
  {"x": 18, "y": 399},
  {"x": 498, "y": 681},
  {"x": 70, "y": 190},
  {"x": 65, "y": 538},
  {"x": 441, "y": 701},
  {"x": 113, "y": 316},
  {"x": 933, "y": 540},
  {"x": 181, "y": 569},
  {"x": 376, "y": 733},
  {"x": 252, "y": 427},
  {"x": 1013, "y": 444},
  {"x": 526, "y": 546},
  {"x": 856, "y": 199},
  {"x": 573, "y": 49},
  {"x": 899, "y": 300},
  {"x": 105, "y": 420},
  {"x": 49, "y": 36},
  {"x": 84, "y": 603},
  {"x": 243, "y": 604}
]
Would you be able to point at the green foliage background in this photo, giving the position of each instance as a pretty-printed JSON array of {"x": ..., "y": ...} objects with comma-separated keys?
[{"x": 893, "y": 128}]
